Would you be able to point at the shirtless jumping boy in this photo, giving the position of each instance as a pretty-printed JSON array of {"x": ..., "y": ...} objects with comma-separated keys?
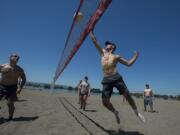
[{"x": 112, "y": 78}]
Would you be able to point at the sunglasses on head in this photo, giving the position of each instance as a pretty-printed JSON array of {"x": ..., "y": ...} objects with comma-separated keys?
[{"x": 16, "y": 56}]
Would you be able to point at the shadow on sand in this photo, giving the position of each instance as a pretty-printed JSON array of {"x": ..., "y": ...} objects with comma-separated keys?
[
  {"x": 154, "y": 111},
  {"x": 26, "y": 118},
  {"x": 121, "y": 132},
  {"x": 3, "y": 120},
  {"x": 90, "y": 110},
  {"x": 21, "y": 100}
]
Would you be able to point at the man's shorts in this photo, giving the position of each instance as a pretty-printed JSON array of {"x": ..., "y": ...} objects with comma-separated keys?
[
  {"x": 148, "y": 101},
  {"x": 110, "y": 82},
  {"x": 83, "y": 93},
  {"x": 8, "y": 92}
]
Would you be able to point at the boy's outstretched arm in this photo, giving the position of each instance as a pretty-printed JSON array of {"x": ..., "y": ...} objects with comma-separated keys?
[
  {"x": 129, "y": 62},
  {"x": 94, "y": 40}
]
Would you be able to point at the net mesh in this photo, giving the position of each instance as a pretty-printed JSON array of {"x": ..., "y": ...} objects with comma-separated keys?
[{"x": 92, "y": 11}]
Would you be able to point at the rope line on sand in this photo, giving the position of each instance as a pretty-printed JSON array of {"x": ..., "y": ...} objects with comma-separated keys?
[
  {"x": 99, "y": 126},
  {"x": 86, "y": 122},
  {"x": 91, "y": 126},
  {"x": 73, "y": 115}
]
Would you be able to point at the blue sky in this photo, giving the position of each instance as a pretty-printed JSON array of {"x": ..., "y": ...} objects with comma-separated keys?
[{"x": 37, "y": 30}]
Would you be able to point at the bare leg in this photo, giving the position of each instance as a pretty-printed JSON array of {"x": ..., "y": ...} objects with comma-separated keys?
[
  {"x": 145, "y": 108},
  {"x": 124, "y": 100},
  {"x": 151, "y": 108},
  {"x": 81, "y": 101},
  {"x": 133, "y": 105},
  {"x": 110, "y": 107},
  {"x": 85, "y": 99},
  {"x": 11, "y": 108},
  {"x": 151, "y": 105},
  {"x": 130, "y": 100}
]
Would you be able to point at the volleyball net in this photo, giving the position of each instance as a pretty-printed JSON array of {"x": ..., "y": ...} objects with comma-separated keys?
[{"x": 92, "y": 10}]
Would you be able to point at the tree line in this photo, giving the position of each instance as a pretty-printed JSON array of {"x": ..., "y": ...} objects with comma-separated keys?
[{"x": 47, "y": 86}]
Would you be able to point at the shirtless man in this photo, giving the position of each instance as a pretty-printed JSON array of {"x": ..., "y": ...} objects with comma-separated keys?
[
  {"x": 148, "y": 95},
  {"x": 112, "y": 78},
  {"x": 84, "y": 89},
  {"x": 11, "y": 74}
]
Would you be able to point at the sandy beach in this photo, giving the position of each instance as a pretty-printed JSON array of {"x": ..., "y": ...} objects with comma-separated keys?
[{"x": 42, "y": 112}]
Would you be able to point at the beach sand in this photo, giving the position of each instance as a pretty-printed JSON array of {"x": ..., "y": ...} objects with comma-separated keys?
[{"x": 45, "y": 113}]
